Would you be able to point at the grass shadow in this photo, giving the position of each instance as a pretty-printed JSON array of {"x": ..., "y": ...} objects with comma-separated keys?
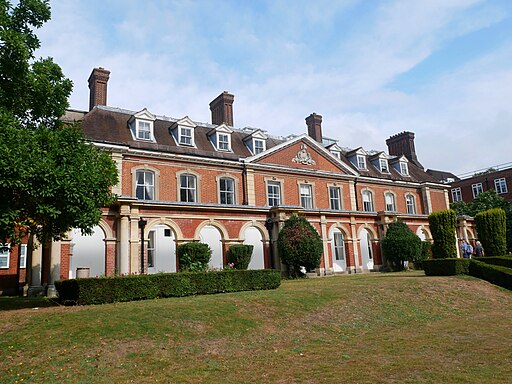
[{"x": 9, "y": 303}]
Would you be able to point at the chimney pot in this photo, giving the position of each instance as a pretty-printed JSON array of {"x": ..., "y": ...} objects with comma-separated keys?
[
  {"x": 98, "y": 87},
  {"x": 403, "y": 144}
]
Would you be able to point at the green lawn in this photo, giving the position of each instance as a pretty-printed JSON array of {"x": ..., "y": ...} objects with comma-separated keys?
[{"x": 375, "y": 328}]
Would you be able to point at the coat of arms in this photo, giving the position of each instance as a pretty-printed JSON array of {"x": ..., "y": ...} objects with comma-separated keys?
[{"x": 303, "y": 157}]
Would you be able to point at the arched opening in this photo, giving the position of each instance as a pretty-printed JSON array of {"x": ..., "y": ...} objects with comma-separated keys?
[
  {"x": 254, "y": 237},
  {"x": 88, "y": 251},
  {"x": 366, "y": 249},
  {"x": 161, "y": 249},
  {"x": 339, "y": 259},
  {"x": 212, "y": 236}
]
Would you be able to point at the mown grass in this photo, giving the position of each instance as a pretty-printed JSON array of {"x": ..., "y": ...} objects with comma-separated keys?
[{"x": 377, "y": 328}]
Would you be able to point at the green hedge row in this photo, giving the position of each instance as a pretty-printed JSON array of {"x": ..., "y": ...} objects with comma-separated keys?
[
  {"x": 141, "y": 287},
  {"x": 495, "y": 274},
  {"x": 504, "y": 261},
  {"x": 446, "y": 267},
  {"x": 492, "y": 231}
]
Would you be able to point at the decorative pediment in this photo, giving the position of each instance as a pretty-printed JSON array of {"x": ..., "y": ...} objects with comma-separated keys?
[{"x": 303, "y": 157}]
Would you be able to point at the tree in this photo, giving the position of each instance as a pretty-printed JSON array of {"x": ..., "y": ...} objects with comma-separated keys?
[
  {"x": 51, "y": 178},
  {"x": 491, "y": 227},
  {"x": 442, "y": 226},
  {"x": 299, "y": 245},
  {"x": 400, "y": 244}
]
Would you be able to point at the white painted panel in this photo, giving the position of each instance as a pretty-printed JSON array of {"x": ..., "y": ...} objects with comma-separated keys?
[
  {"x": 253, "y": 237},
  {"x": 164, "y": 251},
  {"x": 88, "y": 252},
  {"x": 366, "y": 250},
  {"x": 211, "y": 236}
]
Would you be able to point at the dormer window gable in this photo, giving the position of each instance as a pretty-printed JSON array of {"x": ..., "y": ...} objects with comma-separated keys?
[
  {"x": 380, "y": 161},
  {"x": 183, "y": 132},
  {"x": 401, "y": 165},
  {"x": 334, "y": 150},
  {"x": 256, "y": 142},
  {"x": 358, "y": 158},
  {"x": 141, "y": 125},
  {"x": 221, "y": 138}
]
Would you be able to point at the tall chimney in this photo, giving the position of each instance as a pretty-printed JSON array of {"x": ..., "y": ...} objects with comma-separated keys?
[
  {"x": 403, "y": 144},
  {"x": 314, "y": 123},
  {"x": 98, "y": 87},
  {"x": 222, "y": 109}
]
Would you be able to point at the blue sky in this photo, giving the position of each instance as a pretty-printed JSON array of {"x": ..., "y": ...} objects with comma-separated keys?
[{"x": 439, "y": 68}]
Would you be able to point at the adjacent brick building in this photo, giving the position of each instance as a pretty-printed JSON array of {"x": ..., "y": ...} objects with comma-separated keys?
[{"x": 182, "y": 180}]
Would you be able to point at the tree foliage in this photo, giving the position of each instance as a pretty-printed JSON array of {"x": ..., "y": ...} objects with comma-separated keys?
[
  {"x": 299, "y": 244},
  {"x": 442, "y": 226},
  {"x": 51, "y": 178},
  {"x": 483, "y": 202},
  {"x": 400, "y": 244},
  {"x": 491, "y": 227}
]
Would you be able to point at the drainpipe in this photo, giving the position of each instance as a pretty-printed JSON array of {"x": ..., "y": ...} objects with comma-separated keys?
[
  {"x": 270, "y": 225},
  {"x": 355, "y": 194},
  {"x": 142, "y": 225},
  {"x": 244, "y": 183}
]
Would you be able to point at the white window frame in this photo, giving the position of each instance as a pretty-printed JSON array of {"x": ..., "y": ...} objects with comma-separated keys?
[
  {"x": 151, "y": 249},
  {"x": 500, "y": 185},
  {"x": 274, "y": 194},
  {"x": 390, "y": 205},
  {"x": 339, "y": 246},
  {"x": 190, "y": 189},
  {"x": 456, "y": 194},
  {"x": 367, "y": 203},
  {"x": 335, "y": 198},
  {"x": 306, "y": 196},
  {"x": 225, "y": 143},
  {"x": 5, "y": 254},
  {"x": 145, "y": 185},
  {"x": 384, "y": 166},
  {"x": 404, "y": 169},
  {"x": 410, "y": 204},
  {"x": 477, "y": 189},
  {"x": 23, "y": 256},
  {"x": 336, "y": 154},
  {"x": 146, "y": 132},
  {"x": 186, "y": 138},
  {"x": 258, "y": 146},
  {"x": 226, "y": 193},
  {"x": 361, "y": 161}
]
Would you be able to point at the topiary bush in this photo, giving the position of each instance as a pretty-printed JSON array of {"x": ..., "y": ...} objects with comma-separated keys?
[
  {"x": 240, "y": 255},
  {"x": 399, "y": 245},
  {"x": 299, "y": 245},
  {"x": 194, "y": 257},
  {"x": 491, "y": 226},
  {"x": 442, "y": 226}
]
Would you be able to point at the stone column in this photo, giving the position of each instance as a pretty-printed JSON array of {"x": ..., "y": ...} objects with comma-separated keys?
[
  {"x": 124, "y": 241},
  {"x": 325, "y": 240},
  {"x": 134, "y": 242},
  {"x": 55, "y": 253},
  {"x": 427, "y": 202},
  {"x": 35, "y": 287},
  {"x": 353, "y": 230}
]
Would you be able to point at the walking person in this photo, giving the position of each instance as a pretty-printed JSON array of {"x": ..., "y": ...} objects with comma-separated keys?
[{"x": 479, "y": 250}]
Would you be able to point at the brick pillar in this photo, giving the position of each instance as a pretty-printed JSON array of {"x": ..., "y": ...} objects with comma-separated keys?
[{"x": 110, "y": 257}]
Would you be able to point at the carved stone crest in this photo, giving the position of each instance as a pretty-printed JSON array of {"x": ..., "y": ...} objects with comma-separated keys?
[{"x": 303, "y": 157}]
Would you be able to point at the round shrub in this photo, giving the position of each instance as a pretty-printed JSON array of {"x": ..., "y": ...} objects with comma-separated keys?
[
  {"x": 194, "y": 257},
  {"x": 400, "y": 244},
  {"x": 240, "y": 255},
  {"x": 299, "y": 245}
]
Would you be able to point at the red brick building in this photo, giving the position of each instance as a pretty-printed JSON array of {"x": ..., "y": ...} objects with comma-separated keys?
[{"x": 182, "y": 180}]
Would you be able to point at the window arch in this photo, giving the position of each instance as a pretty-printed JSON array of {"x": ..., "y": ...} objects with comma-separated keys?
[
  {"x": 410, "y": 203},
  {"x": 367, "y": 200},
  {"x": 390, "y": 201}
]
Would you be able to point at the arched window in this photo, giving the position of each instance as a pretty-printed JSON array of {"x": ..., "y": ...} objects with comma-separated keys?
[
  {"x": 188, "y": 188},
  {"x": 145, "y": 185},
  {"x": 367, "y": 201},
  {"x": 390, "y": 202},
  {"x": 410, "y": 204},
  {"x": 227, "y": 190}
]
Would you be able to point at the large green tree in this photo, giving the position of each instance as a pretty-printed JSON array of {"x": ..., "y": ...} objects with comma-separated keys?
[
  {"x": 400, "y": 244},
  {"x": 51, "y": 178}
]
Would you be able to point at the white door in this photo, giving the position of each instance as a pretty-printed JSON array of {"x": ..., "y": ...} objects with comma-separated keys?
[
  {"x": 161, "y": 250},
  {"x": 211, "y": 236},
  {"x": 253, "y": 237},
  {"x": 88, "y": 251},
  {"x": 339, "y": 261},
  {"x": 366, "y": 249}
]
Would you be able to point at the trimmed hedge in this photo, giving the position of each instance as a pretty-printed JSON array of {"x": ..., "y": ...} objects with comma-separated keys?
[
  {"x": 492, "y": 231},
  {"x": 240, "y": 255},
  {"x": 504, "y": 261},
  {"x": 446, "y": 267},
  {"x": 442, "y": 226},
  {"x": 142, "y": 287},
  {"x": 494, "y": 274}
]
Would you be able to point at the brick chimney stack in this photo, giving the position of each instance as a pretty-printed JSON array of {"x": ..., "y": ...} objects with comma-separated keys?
[
  {"x": 403, "y": 144},
  {"x": 98, "y": 87},
  {"x": 314, "y": 123},
  {"x": 222, "y": 109}
]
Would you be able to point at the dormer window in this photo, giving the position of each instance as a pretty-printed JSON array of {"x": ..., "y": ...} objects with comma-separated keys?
[
  {"x": 223, "y": 142},
  {"x": 141, "y": 125},
  {"x": 361, "y": 162},
  {"x": 185, "y": 136},
  {"x": 336, "y": 154},
  {"x": 404, "y": 170},
  {"x": 220, "y": 137},
  {"x": 384, "y": 168},
  {"x": 259, "y": 146}
]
